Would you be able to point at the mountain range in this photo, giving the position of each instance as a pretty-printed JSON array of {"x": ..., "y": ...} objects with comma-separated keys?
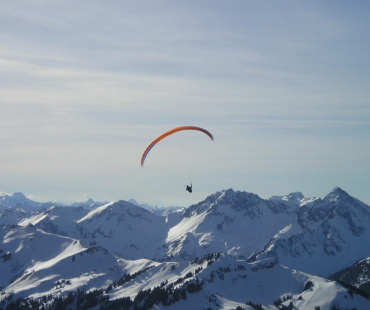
[{"x": 234, "y": 250}]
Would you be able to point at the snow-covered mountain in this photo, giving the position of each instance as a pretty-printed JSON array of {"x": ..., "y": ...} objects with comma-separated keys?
[
  {"x": 330, "y": 234},
  {"x": 234, "y": 249},
  {"x": 164, "y": 211},
  {"x": 124, "y": 229},
  {"x": 18, "y": 200},
  {"x": 357, "y": 275},
  {"x": 89, "y": 203},
  {"x": 297, "y": 199}
]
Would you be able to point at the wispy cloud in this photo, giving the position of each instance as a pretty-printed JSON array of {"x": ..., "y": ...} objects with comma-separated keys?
[{"x": 84, "y": 87}]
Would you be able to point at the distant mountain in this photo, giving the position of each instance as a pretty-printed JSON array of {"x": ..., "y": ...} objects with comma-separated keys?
[
  {"x": 234, "y": 249},
  {"x": 18, "y": 200},
  {"x": 89, "y": 203},
  {"x": 297, "y": 199},
  {"x": 164, "y": 211}
]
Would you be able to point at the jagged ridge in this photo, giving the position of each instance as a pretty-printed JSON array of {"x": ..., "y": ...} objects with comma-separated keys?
[{"x": 287, "y": 230}]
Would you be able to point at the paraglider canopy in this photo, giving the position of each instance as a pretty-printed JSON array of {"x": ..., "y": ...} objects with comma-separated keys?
[{"x": 170, "y": 132}]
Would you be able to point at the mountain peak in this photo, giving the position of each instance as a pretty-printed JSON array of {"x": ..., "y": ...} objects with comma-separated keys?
[
  {"x": 217, "y": 203},
  {"x": 338, "y": 190},
  {"x": 90, "y": 202},
  {"x": 19, "y": 195},
  {"x": 296, "y": 199},
  {"x": 337, "y": 193},
  {"x": 295, "y": 195},
  {"x": 14, "y": 199},
  {"x": 339, "y": 205}
]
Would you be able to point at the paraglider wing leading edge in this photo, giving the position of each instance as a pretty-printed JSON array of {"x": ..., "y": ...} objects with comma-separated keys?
[{"x": 170, "y": 132}]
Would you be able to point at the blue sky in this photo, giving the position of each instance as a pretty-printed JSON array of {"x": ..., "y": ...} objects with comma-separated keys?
[{"x": 86, "y": 85}]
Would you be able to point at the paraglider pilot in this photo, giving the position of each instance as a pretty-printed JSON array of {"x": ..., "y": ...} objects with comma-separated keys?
[{"x": 189, "y": 188}]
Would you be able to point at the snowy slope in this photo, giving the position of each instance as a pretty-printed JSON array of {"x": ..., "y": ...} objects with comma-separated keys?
[
  {"x": 57, "y": 220},
  {"x": 236, "y": 223},
  {"x": 28, "y": 247},
  {"x": 357, "y": 275},
  {"x": 125, "y": 229},
  {"x": 331, "y": 234},
  {"x": 9, "y": 217},
  {"x": 231, "y": 249},
  {"x": 120, "y": 227}
]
